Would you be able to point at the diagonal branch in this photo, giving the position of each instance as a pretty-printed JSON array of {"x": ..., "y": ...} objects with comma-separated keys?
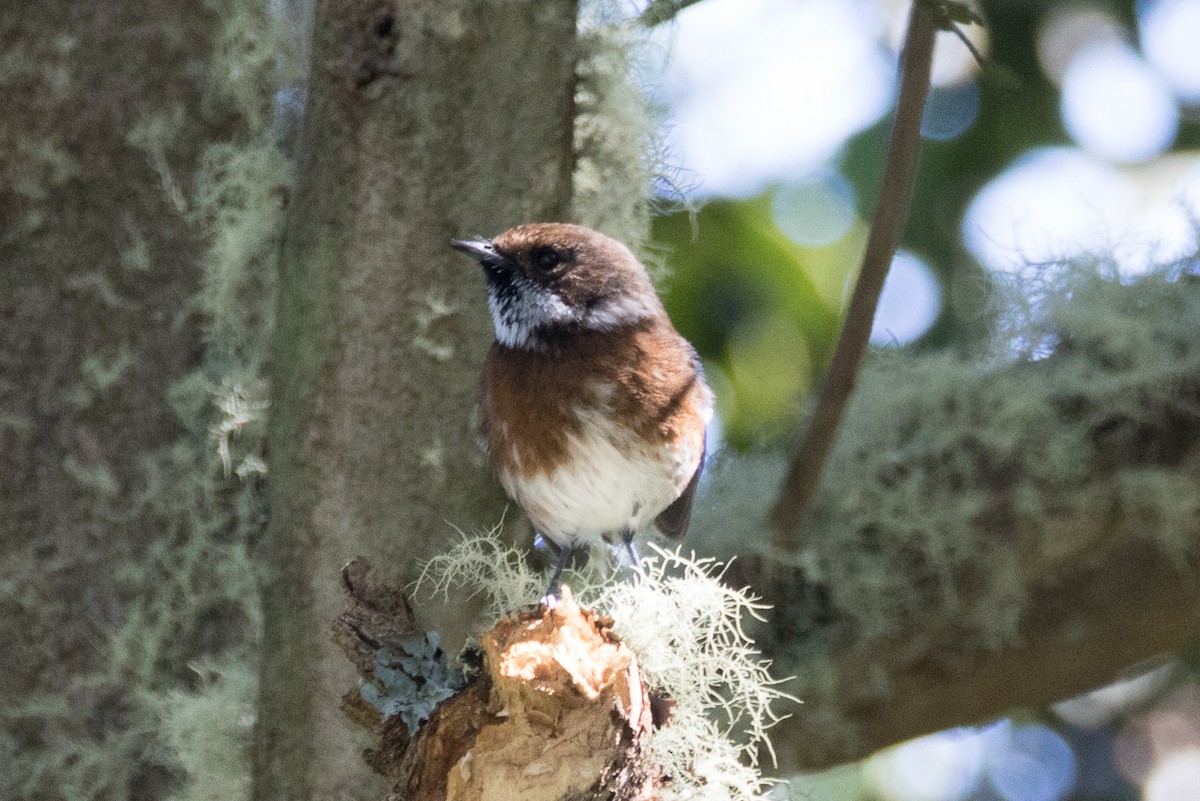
[
  {"x": 887, "y": 226},
  {"x": 660, "y": 11}
]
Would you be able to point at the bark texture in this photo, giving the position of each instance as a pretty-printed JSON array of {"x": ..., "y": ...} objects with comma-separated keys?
[
  {"x": 426, "y": 121},
  {"x": 98, "y": 263}
]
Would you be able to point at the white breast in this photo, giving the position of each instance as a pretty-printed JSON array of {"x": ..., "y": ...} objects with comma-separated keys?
[{"x": 602, "y": 489}]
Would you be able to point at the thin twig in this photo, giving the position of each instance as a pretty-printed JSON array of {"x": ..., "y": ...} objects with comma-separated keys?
[
  {"x": 979, "y": 57},
  {"x": 887, "y": 226},
  {"x": 660, "y": 11}
]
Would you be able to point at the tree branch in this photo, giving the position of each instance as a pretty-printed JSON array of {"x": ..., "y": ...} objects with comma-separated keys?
[
  {"x": 1083, "y": 627},
  {"x": 887, "y": 227},
  {"x": 1000, "y": 534}
]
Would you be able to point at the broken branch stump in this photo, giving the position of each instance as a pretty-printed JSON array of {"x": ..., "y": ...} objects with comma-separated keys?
[{"x": 555, "y": 710}]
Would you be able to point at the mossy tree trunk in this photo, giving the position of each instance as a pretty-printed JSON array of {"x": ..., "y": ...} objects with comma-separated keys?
[
  {"x": 426, "y": 121},
  {"x": 104, "y": 126}
]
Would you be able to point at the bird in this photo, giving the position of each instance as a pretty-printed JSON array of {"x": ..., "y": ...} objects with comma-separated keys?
[{"x": 593, "y": 408}]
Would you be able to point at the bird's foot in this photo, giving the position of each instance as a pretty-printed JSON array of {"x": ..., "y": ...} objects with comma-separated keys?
[{"x": 574, "y": 556}]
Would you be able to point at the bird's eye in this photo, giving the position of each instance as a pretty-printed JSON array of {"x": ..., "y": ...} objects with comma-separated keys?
[{"x": 545, "y": 258}]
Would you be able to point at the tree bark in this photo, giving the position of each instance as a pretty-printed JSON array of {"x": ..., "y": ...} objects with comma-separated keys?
[
  {"x": 98, "y": 263},
  {"x": 426, "y": 121}
]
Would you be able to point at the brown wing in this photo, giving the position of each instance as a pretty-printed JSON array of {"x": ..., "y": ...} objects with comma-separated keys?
[{"x": 673, "y": 521}]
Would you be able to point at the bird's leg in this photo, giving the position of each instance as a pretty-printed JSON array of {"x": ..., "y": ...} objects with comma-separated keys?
[
  {"x": 574, "y": 555},
  {"x": 634, "y": 559},
  {"x": 564, "y": 556}
]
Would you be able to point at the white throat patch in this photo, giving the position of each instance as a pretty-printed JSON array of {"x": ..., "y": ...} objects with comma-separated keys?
[{"x": 518, "y": 314}]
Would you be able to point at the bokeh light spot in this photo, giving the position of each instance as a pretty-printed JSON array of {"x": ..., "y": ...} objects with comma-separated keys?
[
  {"x": 953, "y": 61},
  {"x": 940, "y": 767},
  {"x": 1175, "y": 778},
  {"x": 815, "y": 212},
  {"x": 909, "y": 303},
  {"x": 1170, "y": 31},
  {"x": 1068, "y": 29},
  {"x": 1037, "y": 765},
  {"x": 1115, "y": 106},
  {"x": 1132, "y": 753},
  {"x": 950, "y": 111},
  {"x": 1176, "y": 725},
  {"x": 735, "y": 124},
  {"x": 1111, "y": 702},
  {"x": 1054, "y": 204},
  {"x": 1050, "y": 204}
]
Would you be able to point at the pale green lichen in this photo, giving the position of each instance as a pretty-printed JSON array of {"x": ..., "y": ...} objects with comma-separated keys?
[
  {"x": 98, "y": 283},
  {"x": 95, "y": 478},
  {"x": 243, "y": 62},
  {"x": 190, "y": 592},
  {"x": 687, "y": 627},
  {"x": 435, "y": 321},
  {"x": 614, "y": 129},
  {"x": 136, "y": 258},
  {"x": 36, "y": 157},
  {"x": 483, "y": 565},
  {"x": 72, "y": 761},
  {"x": 14, "y": 421},
  {"x": 411, "y": 680},
  {"x": 961, "y": 469},
  {"x": 155, "y": 133},
  {"x": 102, "y": 373},
  {"x": 38, "y": 166},
  {"x": 238, "y": 198},
  {"x": 240, "y": 190},
  {"x": 207, "y": 730},
  {"x": 243, "y": 418}
]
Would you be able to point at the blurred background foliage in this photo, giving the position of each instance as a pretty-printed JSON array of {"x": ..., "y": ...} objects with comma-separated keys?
[
  {"x": 778, "y": 116},
  {"x": 1079, "y": 137}
]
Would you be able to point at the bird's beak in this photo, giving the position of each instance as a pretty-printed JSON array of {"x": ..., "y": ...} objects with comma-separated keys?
[
  {"x": 481, "y": 249},
  {"x": 484, "y": 252}
]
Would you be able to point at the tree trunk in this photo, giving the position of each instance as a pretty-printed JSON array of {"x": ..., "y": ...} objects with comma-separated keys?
[
  {"x": 104, "y": 125},
  {"x": 426, "y": 121}
]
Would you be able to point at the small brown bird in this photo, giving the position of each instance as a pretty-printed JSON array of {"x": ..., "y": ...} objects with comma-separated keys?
[{"x": 594, "y": 407}]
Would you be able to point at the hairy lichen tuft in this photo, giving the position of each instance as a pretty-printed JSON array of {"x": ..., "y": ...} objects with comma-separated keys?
[
  {"x": 209, "y": 730},
  {"x": 687, "y": 629},
  {"x": 614, "y": 129}
]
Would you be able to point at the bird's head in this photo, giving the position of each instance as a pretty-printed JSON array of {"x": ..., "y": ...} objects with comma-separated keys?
[{"x": 547, "y": 279}]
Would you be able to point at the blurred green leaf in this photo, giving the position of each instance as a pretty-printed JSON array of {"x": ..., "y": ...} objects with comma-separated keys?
[{"x": 762, "y": 309}]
